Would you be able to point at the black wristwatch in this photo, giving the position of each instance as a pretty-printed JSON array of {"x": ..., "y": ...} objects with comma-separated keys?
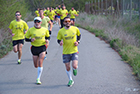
[{"x": 78, "y": 42}]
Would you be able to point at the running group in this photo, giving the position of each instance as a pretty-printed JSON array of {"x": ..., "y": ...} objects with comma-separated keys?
[{"x": 39, "y": 35}]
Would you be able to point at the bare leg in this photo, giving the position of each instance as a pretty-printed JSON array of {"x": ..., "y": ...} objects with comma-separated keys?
[
  {"x": 75, "y": 64},
  {"x": 35, "y": 60},
  {"x": 41, "y": 58},
  {"x": 20, "y": 50},
  {"x": 15, "y": 49}
]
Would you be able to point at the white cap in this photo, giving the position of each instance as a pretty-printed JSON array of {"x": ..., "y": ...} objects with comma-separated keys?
[{"x": 37, "y": 18}]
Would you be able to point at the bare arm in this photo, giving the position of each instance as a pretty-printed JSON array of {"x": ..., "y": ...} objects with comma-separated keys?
[
  {"x": 10, "y": 31},
  {"x": 25, "y": 31}
]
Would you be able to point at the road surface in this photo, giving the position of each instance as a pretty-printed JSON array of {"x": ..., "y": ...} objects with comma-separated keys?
[{"x": 100, "y": 71}]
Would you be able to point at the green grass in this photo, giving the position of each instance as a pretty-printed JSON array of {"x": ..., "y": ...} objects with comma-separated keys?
[
  {"x": 5, "y": 47},
  {"x": 129, "y": 53},
  {"x": 8, "y": 9}
]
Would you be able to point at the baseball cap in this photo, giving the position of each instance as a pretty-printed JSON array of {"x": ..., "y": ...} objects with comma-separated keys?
[{"x": 37, "y": 18}]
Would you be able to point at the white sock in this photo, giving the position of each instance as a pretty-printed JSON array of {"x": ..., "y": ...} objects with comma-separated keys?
[
  {"x": 69, "y": 74},
  {"x": 40, "y": 69},
  {"x": 18, "y": 59}
]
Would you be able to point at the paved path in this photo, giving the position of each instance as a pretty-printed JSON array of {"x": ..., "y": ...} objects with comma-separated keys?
[{"x": 100, "y": 71}]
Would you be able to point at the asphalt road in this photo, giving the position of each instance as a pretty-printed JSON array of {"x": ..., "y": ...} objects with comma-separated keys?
[{"x": 100, "y": 71}]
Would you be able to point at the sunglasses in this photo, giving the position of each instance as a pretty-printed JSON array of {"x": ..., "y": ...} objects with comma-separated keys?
[
  {"x": 37, "y": 21},
  {"x": 67, "y": 21},
  {"x": 17, "y": 15}
]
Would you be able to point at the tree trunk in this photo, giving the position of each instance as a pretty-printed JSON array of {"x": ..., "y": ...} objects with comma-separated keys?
[
  {"x": 118, "y": 10},
  {"x": 106, "y": 7},
  {"x": 95, "y": 5},
  {"x": 98, "y": 6},
  {"x": 139, "y": 9},
  {"x": 122, "y": 8},
  {"x": 111, "y": 7},
  {"x": 130, "y": 9},
  {"x": 102, "y": 6}
]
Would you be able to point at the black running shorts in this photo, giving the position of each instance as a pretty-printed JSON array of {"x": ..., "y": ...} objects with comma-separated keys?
[
  {"x": 15, "y": 42},
  {"x": 37, "y": 50}
]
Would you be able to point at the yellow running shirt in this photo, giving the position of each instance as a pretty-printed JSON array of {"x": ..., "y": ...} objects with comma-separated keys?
[
  {"x": 51, "y": 15},
  {"x": 77, "y": 12},
  {"x": 63, "y": 13},
  {"x": 69, "y": 37},
  {"x": 45, "y": 21},
  {"x": 46, "y": 12},
  {"x": 37, "y": 13},
  {"x": 72, "y": 13},
  {"x": 58, "y": 10},
  {"x": 18, "y": 29},
  {"x": 39, "y": 35}
]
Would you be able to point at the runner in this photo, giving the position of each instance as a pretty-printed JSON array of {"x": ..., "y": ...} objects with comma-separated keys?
[
  {"x": 38, "y": 36},
  {"x": 69, "y": 37},
  {"x": 58, "y": 16},
  {"x": 63, "y": 13},
  {"x": 73, "y": 13},
  {"x": 46, "y": 12},
  {"x": 78, "y": 12},
  {"x": 37, "y": 12},
  {"x": 51, "y": 15},
  {"x": 16, "y": 29},
  {"x": 45, "y": 21}
]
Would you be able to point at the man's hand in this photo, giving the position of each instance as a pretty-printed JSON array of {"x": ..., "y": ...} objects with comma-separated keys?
[
  {"x": 61, "y": 43},
  {"x": 33, "y": 39},
  {"x": 76, "y": 43},
  {"x": 47, "y": 42},
  {"x": 12, "y": 34}
]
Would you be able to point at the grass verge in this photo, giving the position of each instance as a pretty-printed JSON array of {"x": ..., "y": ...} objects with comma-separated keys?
[{"x": 127, "y": 46}]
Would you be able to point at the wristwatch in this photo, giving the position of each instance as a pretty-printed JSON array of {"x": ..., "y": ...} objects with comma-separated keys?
[{"x": 78, "y": 42}]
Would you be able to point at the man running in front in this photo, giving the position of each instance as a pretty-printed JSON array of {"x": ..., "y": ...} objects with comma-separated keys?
[
  {"x": 71, "y": 38},
  {"x": 39, "y": 37},
  {"x": 16, "y": 29}
]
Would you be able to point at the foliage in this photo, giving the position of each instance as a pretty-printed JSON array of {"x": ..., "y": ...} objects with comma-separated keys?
[
  {"x": 119, "y": 33},
  {"x": 8, "y": 9}
]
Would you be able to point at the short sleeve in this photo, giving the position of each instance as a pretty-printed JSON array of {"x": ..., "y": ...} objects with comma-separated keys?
[
  {"x": 76, "y": 12},
  {"x": 69, "y": 11},
  {"x": 28, "y": 35},
  {"x": 25, "y": 26},
  {"x": 66, "y": 11},
  {"x": 47, "y": 33},
  {"x": 48, "y": 19},
  {"x": 10, "y": 26},
  {"x": 78, "y": 32}
]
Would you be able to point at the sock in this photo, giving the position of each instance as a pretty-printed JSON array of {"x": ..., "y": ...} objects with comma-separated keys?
[
  {"x": 18, "y": 60},
  {"x": 40, "y": 69},
  {"x": 69, "y": 74}
]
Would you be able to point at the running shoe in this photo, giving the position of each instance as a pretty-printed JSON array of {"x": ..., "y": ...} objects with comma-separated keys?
[
  {"x": 71, "y": 82},
  {"x": 45, "y": 57},
  {"x": 38, "y": 82},
  {"x": 75, "y": 72},
  {"x": 19, "y": 62}
]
